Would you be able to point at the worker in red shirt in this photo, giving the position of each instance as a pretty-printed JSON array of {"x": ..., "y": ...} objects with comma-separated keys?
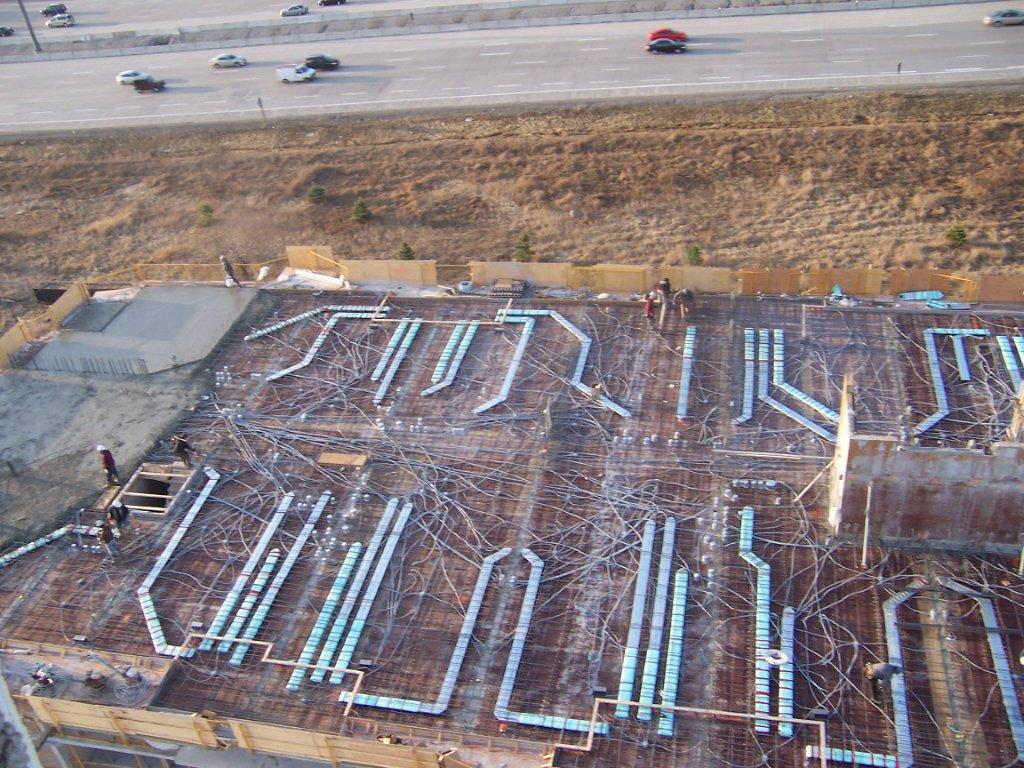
[
  {"x": 109, "y": 465},
  {"x": 649, "y": 309}
]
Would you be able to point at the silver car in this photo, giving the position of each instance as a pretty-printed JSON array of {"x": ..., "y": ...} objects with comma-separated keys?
[
  {"x": 1004, "y": 18},
  {"x": 61, "y": 20},
  {"x": 295, "y": 10},
  {"x": 228, "y": 60}
]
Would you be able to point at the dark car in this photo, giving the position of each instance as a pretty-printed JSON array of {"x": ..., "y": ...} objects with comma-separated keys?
[
  {"x": 53, "y": 9},
  {"x": 149, "y": 85},
  {"x": 330, "y": 2},
  {"x": 666, "y": 46},
  {"x": 322, "y": 61},
  {"x": 6, "y": 31}
]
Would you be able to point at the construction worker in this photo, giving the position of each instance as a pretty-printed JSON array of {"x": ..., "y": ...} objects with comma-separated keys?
[
  {"x": 105, "y": 534},
  {"x": 649, "y": 309},
  {"x": 109, "y": 465},
  {"x": 665, "y": 295},
  {"x": 229, "y": 273},
  {"x": 182, "y": 449},
  {"x": 117, "y": 516},
  {"x": 686, "y": 302}
]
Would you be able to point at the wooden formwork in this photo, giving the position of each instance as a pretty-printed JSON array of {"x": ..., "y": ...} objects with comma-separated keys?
[
  {"x": 854, "y": 282},
  {"x": 769, "y": 281}
]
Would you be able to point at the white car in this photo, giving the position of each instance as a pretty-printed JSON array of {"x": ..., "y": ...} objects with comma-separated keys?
[
  {"x": 295, "y": 10},
  {"x": 61, "y": 20},
  {"x": 228, "y": 60},
  {"x": 129, "y": 76},
  {"x": 298, "y": 73},
  {"x": 1004, "y": 18}
]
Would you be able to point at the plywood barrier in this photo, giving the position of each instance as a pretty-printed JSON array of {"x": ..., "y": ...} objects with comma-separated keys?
[
  {"x": 854, "y": 282},
  {"x": 953, "y": 285},
  {"x": 614, "y": 278},
  {"x": 74, "y": 297},
  {"x": 184, "y": 728},
  {"x": 769, "y": 281},
  {"x": 704, "y": 279},
  {"x": 542, "y": 274},
  {"x": 12, "y": 341},
  {"x": 1000, "y": 288},
  {"x": 391, "y": 271}
]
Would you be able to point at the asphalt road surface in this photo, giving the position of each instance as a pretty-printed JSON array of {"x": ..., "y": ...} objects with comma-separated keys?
[{"x": 762, "y": 54}]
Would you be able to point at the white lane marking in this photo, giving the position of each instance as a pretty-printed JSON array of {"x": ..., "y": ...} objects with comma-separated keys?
[
  {"x": 409, "y": 79},
  {"x": 88, "y": 109},
  {"x": 564, "y": 82},
  {"x": 515, "y": 74},
  {"x": 603, "y": 82},
  {"x": 808, "y": 40},
  {"x": 797, "y": 29},
  {"x": 399, "y": 59},
  {"x": 183, "y": 103},
  {"x": 407, "y": 90},
  {"x": 974, "y": 56},
  {"x": 224, "y": 101},
  {"x": 128, "y": 106},
  {"x": 615, "y": 69},
  {"x": 750, "y": 53},
  {"x": 593, "y": 49},
  {"x": 9, "y": 77},
  {"x": 45, "y": 112},
  {"x": 923, "y": 34},
  {"x": 314, "y": 96},
  {"x": 656, "y": 80},
  {"x": 440, "y": 66},
  {"x": 248, "y": 79},
  {"x": 537, "y": 61},
  {"x": 254, "y": 111},
  {"x": 84, "y": 72},
  {"x": 989, "y": 42},
  {"x": 902, "y": 26},
  {"x": 857, "y": 50},
  {"x": 495, "y": 45},
  {"x": 499, "y": 53},
  {"x": 698, "y": 45},
  {"x": 966, "y": 69},
  {"x": 351, "y": 93},
  {"x": 457, "y": 88},
  {"x": 715, "y": 77},
  {"x": 510, "y": 85},
  {"x": 848, "y": 61},
  {"x": 591, "y": 39}
]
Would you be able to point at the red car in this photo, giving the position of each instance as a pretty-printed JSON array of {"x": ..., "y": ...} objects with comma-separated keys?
[{"x": 667, "y": 34}]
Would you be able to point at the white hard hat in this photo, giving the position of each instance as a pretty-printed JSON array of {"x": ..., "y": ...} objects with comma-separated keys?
[{"x": 101, "y": 447}]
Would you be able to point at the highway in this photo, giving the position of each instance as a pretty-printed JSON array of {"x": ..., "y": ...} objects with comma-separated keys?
[{"x": 834, "y": 51}]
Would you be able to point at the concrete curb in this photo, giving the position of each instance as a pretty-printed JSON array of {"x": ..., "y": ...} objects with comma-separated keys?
[{"x": 511, "y": 14}]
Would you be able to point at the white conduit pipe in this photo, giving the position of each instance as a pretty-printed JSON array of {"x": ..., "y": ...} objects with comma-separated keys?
[
  {"x": 636, "y": 621},
  {"x": 652, "y": 659}
]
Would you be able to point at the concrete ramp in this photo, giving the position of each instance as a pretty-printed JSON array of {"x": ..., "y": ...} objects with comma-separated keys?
[{"x": 162, "y": 327}]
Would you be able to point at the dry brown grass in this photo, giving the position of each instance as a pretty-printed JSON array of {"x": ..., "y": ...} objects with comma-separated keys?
[{"x": 802, "y": 182}]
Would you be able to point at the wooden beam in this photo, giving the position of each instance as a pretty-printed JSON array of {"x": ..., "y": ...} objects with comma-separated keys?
[{"x": 343, "y": 459}]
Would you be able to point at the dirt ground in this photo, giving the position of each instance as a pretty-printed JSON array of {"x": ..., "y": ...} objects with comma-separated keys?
[
  {"x": 51, "y": 426},
  {"x": 804, "y": 181}
]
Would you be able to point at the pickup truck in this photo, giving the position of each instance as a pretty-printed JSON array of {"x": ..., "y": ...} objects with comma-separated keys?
[{"x": 297, "y": 73}]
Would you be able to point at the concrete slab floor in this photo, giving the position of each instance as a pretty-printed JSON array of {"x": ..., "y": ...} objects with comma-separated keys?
[{"x": 162, "y": 327}]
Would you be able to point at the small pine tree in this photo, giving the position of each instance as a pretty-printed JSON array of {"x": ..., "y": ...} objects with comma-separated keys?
[
  {"x": 405, "y": 252},
  {"x": 315, "y": 195},
  {"x": 361, "y": 211},
  {"x": 956, "y": 236},
  {"x": 205, "y": 214},
  {"x": 524, "y": 251},
  {"x": 693, "y": 256}
]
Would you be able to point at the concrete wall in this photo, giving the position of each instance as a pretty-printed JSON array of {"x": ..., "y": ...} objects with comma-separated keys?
[{"x": 948, "y": 497}]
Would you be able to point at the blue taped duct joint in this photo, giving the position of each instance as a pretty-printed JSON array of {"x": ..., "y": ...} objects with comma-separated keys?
[
  {"x": 447, "y": 352},
  {"x": 1000, "y": 660},
  {"x": 355, "y": 631},
  {"x": 850, "y": 757},
  {"x": 396, "y": 362},
  {"x": 748, "y": 377},
  {"x": 327, "y": 654},
  {"x": 787, "y": 677},
  {"x": 251, "y": 595},
  {"x": 517, "y": 358},
  {"x": 453, "y": 367},
  {"x": 938, "y": 386},
  {"x": 779, "y": 379},
  {"x": 357, "y": 311},
  {"x": 652, "y": 659},
  {"x": 1010, "y": 360},
  {"x": 267, "y": 601},
  {"x": 24, "y": 549},
  {"x": 217, "y": 625},
  {"x": 631, "y": 652},
  {"x": 389, "y": 350},
  {"x": 323, "y": 619},
  {"x": 897, "y": 683},
  {"x": 674, "y": 656},
  {"x": 762, "y": 620},
  {"x": 686, "y": 373},
  {"x": 156, "y": 631},
  {"x": 311, "y": 352},
  {"x": 921, "y": 295},
  {"x": 451, "y": 675}
]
